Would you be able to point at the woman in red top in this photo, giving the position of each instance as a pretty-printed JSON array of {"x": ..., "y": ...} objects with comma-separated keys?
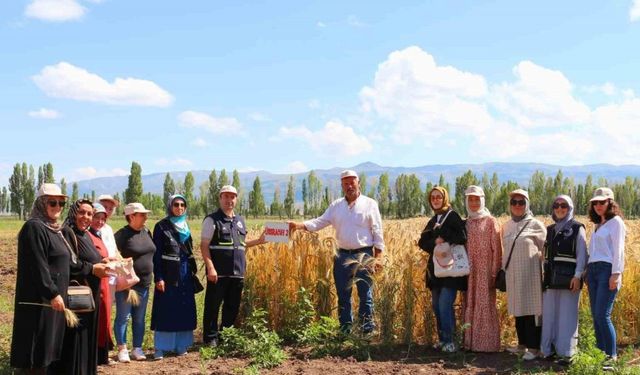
[{"x": 104, "y": 313}]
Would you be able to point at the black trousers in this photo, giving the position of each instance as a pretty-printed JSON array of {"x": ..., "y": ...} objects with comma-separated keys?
[
  {"x": 528, "y": 333},
  {"x": 228, "y": 293}
]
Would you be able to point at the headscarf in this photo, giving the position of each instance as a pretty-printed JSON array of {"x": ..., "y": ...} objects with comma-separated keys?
[
  {"x": 483, "y": 211},
  {"x": 527, "y": 211},
  {"x": 562, "y": 223},
  {"x": 70, "y": 221},
  {"x": 179, "y": 222},
  {"x": 445, "y": 200},
  {"x": 39, "y": 212}
]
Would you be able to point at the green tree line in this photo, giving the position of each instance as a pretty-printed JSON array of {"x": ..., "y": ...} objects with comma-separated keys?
[{"x": 403, "y": 198}]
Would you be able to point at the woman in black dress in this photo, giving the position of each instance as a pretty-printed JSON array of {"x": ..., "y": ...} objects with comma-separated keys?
[
  {"x": 42, "y": 278},
  {"x": 80, "y": 348}
]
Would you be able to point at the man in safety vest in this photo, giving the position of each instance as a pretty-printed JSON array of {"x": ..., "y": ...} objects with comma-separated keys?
[{"x": 223, "y": 250}]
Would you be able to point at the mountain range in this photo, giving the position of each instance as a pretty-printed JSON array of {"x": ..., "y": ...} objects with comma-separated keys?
[{"x": 518, "y": 172}]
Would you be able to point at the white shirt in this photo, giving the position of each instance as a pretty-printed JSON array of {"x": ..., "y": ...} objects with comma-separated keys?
[
  {"x": 106, "y": 233},
  {"x": 607, "y": 244},
  {"x": 356, "y": 226}
]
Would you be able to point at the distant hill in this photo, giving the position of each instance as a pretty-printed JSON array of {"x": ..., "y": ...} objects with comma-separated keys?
[{"x": 518, "y": 172}]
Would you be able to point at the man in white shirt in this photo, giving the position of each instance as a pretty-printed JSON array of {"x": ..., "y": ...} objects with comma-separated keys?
[
  {"x": 106, "y": 233},
  {"x": 358, "y": 225}
]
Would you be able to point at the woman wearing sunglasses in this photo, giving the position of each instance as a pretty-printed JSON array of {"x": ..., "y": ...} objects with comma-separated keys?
[
  {"x": 565, "y": 261},
  {"x": 42, "y": 279},
  {"x": 173, "y": 316},
  {"x": 523, "y": 239},
  {"x": 445, "y": 226},
  {"x": 604, "y": 271}
]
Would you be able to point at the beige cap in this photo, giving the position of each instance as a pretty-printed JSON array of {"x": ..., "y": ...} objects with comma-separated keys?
[
  {"x": 348, "y": 173},
  {"x": 522, "y": 192},
  {"x": 107, "y": 197},
  {"x": 98, "y": 208},
  {"x": 50, "y": 189},
  {"x": 474, "y": 190},
  {"x": 228, "y": 189},
  {"x": 134, "y": 208},
  {"x": 601, "y": 194}
]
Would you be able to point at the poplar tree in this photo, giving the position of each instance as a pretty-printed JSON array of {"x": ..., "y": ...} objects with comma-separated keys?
[
  {"x": 289, "y": 200},
  {"x": 276, "y": 206},
  {"x": 168, "y": 188},
  {"x": 256, "y": 199},
  {"x": 213, "y": 192},
  {"x": 134, "y": 188},
  {"x": 15, "y": 187},
  {"x": 189, "y": 184},
  {"x": 74, "y": 192}
]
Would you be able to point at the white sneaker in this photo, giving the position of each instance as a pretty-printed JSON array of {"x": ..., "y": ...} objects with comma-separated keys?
[
  {"x": 138, "y": 354},
  {"x": 449, "y": 348},
  {"x": 529, "y": 356},
  {"x": 123, "y": 356},
  {"x": 438, "y": 345}
]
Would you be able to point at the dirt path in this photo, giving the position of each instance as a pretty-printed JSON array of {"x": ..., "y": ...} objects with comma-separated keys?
[{"x": 396, "y": 361}]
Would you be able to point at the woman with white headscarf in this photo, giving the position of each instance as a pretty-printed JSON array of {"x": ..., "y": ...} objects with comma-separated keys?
[
  {"x": 565, "y": 261},
  {"x": 484, "y": 248},
  {"x": 523, "y": 239}
]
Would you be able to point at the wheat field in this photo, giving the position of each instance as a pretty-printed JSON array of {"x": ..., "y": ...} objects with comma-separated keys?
[{"x": 402, "y": 302}]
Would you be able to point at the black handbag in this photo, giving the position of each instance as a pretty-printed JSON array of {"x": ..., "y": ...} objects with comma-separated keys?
[
  {"x": 501, "y": 276},
  {"x": 80, "y": 298}
]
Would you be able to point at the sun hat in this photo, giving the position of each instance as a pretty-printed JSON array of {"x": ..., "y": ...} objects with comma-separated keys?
[
  {"x": 134, "y": 208},
  {"x": 601, "y": 194},
  {"x": 228, "y": 189},
  {"x": 107, "y": 197},
  {"x": 98, "y": 208},
  {"x": 348, "y": 173},
  {"x": 474, "y": 190},
  {"x": 522, "y": 192},
  {"x": 50, "y": 189}
]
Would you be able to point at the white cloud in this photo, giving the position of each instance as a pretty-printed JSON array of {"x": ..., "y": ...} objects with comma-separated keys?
[
  {"x": 65, "y": 80},
  {"x": 215, "y": 125},
  {"x": 175, "y": 162},
  {"x": 540, "y": 97},
  {"x": 55, "y": 10},
  {"x": 634, "y": 11},
  {"x": 199, "y": 142},
  {"x": 335, "y": 139},
  {"x": 248, "y": 170},
  {"x": 259, "y": 117},
  {"x": 354, "y": 21},
  {"x": 616, "y": 129},
  {"x": 45, "y": 113},
  {"x": 314, "y": 104},
  {"x": 85, "y": 173},
  {"x": 295, "y": 167},
  {"x": 321, "y": 24},
  {"x": 422, "y": 99}
]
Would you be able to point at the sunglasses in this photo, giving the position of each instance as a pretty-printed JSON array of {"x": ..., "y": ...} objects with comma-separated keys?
[
  {"x": 179, "y": 204},
  {"x": 54, "y": 203},
  {"x": 518, "y": 202},
  {"x": 599, "y": 203},
  {"x": 560, "y": 205}
]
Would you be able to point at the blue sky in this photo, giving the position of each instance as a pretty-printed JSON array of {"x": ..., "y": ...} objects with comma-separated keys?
[{"x": 288, "y": 86}]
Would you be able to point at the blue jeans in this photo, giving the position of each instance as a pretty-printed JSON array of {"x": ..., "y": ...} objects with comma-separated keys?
[
  {"x": 601, "y": 300},
  {"x": 124, "y": 310},
  {"x": 344, "y": 275},
  {"x": 442, "y": 300}
]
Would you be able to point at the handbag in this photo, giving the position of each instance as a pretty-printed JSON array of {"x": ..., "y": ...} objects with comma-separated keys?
[
  {"x": 459, "y": 265},
  {"x": 501, "y": 276},
  {"x": 458, "y": 260},
  {"x": 80, "y": 298},
  {"x": 126, "y": 274}
]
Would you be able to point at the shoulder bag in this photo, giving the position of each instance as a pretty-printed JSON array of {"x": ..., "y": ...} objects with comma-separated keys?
[
  {"x": 460, "y": 266},
  {"x": 501, "y": 277},
  {"x": 79, "y": 297}
]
